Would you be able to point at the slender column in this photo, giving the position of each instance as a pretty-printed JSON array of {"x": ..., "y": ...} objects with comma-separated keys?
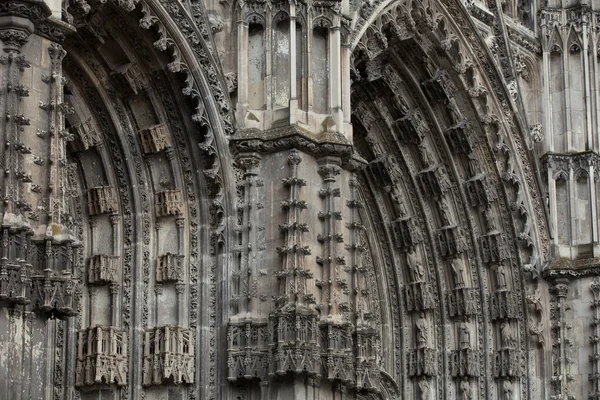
[{"x": 335, "y": 77}]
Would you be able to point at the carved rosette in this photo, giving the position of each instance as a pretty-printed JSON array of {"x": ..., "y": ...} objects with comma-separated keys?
[
  {"x": 169, "y": 353},
  {"x": 101, "y": 356}
]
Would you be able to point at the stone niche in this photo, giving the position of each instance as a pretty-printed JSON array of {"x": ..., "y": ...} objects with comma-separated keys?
[
  {"x": 247, "y": 350},
  {"x": 168, "y": 356},
  {"x": 103, "y": 269},
  {"x": 129, "y": 76},
  {"x": 494, "y": 248},
  {"x": 169, "y": 268},
  {"x": 431, "y": 182},
  {"x": 450, "y": 241},
  {"x": 422, "y": 362},
  {"x": 101, "y": 356},
  {"x": 54, "y": 294},
  {"x": 419, "y": 297},
  {"x": 102, "y": 200},
  {"x": 462, "y": 302},
  {"x": 86, "y": 136},
  {"x": 15, "y": 284},
  {"x": 410, "y": 128},
  {"x": 154, "y": 139},
  {"x": 480, "y": 191},
  {"x": 405, "y": 233},
  {"x": 168, "y": 203},
  {"x": 379, "y": 173},
  {"x": 457, "y": 137}
]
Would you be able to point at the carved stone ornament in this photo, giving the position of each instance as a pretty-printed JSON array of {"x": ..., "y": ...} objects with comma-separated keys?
[
  {"x": 102, "y": 200},
  {"x": 168, "y": 202},
  {"x": 169, "y": 353},
  {"x": 103, "y": 269},
  {"x": 154, "y": 139},
  {"x": 169, "y": 268},
  {"x": 101, "y": 357}
]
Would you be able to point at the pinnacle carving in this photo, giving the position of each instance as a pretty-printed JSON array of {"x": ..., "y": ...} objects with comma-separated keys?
[
  {"x": 169, "y": 353},
  {"x": 101, "y": 357}
]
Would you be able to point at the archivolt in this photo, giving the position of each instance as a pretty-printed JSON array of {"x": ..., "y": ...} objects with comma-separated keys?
[
  {"x": 448, "y": 165},
  {"x": 141, "y": 141}
]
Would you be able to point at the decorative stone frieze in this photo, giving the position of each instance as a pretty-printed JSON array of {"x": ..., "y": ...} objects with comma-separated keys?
[
  {"x": 103, "y": 269},
  {"x": 102, "y": 200},
  {"x": 168, "y": 203},
  {"x": 169, "y": 268},
  {"x": 480, "y": 190},
  {"x": 154, "y": 139},
  {"x": 169, "y": 355},
  {"x": 101, "y": 356}
]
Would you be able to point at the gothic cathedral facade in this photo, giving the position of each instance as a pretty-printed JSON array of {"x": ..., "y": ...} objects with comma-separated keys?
[{"x": 299, "y": 199}]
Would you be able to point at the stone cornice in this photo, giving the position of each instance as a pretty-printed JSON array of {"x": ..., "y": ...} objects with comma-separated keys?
[
  {"x": 565, "y": 163},
  {"x": 254, "y": 140},
  {"x": 573, "y": 269}
]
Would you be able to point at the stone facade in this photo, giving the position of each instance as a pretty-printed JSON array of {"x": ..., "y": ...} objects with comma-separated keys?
[{"x": 299, "y": 200}]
